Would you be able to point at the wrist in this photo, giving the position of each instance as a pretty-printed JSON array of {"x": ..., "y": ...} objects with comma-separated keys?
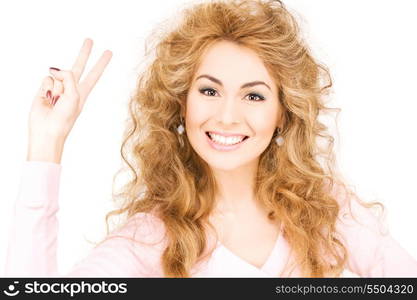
[{"x": 45, "y": 150}]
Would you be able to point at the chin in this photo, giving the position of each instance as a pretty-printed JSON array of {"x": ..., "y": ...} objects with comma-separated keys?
[
  {"x": 227, "y": 163},
  {"x": 223, "y": 167}
]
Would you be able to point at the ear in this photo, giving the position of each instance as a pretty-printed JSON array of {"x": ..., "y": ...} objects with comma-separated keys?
[
  {"x": 182, "y": 113},
  {"x": 281, "y": 120},
  {"x": 183, "y": 110}
]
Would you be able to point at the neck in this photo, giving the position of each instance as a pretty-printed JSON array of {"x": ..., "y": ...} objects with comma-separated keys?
[{"x": 236, "y": 189}]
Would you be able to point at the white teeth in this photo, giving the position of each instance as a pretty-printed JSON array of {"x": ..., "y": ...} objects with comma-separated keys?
[{"x": 225, "y": 140}]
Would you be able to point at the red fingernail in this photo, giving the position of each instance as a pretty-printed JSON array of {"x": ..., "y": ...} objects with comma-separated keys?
[
  {"x": 55, "y": 99},
  {"x": 48, "y": 94},
  {"x": 56, "y": 69}
]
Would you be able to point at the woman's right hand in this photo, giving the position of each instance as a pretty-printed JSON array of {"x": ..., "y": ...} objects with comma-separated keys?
[{"x": 51, "y": 121}]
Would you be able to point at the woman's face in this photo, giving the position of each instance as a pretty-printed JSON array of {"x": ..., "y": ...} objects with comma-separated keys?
[{"x": 227, "y": 98}]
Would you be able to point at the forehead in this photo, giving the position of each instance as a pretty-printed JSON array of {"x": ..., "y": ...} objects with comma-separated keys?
[{"x": 232, "y": 63}]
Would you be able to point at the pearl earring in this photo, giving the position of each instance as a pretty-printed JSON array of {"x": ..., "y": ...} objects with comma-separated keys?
[
  {"x": 279, "y": 139},
  {"x": 180, "y": 130}
]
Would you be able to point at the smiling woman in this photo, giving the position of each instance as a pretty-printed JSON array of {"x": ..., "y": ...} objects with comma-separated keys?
[{"x": 233, "y": 173}]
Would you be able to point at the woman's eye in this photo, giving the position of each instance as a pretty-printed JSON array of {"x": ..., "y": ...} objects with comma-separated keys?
[
  {"x": 203, "y": 91},
  {"x": 257, "y": 96},
  {"x": 260, "y": 98}
]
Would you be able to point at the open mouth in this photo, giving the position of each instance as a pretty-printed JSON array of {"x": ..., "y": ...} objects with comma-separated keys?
[{"x": 226, "y": 141}]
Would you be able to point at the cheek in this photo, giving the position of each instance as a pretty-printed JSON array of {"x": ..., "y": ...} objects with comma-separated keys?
[
  {"x": 196, "y": 113},
  {"x": 263, "y": 120}
]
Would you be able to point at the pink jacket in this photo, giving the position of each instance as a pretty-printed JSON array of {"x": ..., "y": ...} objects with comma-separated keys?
[{"x": 32, "y": 249}]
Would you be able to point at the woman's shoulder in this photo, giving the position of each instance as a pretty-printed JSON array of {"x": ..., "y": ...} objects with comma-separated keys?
[
  {"x": 133, "y": 249},
  {"x": 142, "y": 227}
]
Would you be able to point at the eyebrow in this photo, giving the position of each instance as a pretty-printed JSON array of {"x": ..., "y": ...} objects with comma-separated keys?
[{"x": 248, "y": 84}]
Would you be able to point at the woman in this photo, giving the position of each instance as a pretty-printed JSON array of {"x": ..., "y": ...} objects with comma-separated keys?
[{"x": 229, "y": 176}]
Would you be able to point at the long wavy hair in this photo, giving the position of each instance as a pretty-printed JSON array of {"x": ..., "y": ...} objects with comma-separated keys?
[{"x": 295, "y": 181}]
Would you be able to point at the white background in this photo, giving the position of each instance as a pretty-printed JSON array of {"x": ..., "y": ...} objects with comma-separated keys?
[{"x": 369, "y": 46}]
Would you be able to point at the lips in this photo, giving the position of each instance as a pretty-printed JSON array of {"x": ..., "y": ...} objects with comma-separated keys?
[
  {"x": 221, "y": 146},
  {"x": 238, "y": 137}
]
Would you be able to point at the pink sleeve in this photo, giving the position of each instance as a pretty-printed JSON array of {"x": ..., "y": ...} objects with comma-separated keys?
[
  {"x": 32, "y": 249},
  {"x": 372, "y": 251}
]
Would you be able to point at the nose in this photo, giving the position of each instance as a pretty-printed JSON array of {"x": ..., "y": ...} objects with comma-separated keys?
[{"x": 228, "y": 111}]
